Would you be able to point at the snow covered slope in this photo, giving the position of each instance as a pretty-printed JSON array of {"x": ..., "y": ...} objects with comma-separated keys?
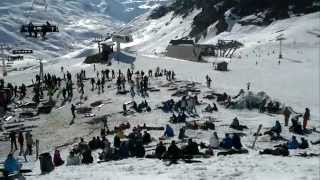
[
  {"x": 79, "y": 21},
  {"x": 298, "y": 72}
]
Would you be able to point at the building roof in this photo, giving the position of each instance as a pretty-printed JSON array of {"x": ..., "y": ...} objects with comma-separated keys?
[{"x": 181, "y": 41}]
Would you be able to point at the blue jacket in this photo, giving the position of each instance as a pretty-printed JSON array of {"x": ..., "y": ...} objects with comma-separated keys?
[
  {"x": 293, "y": 144},
  {"x": 227, "y": 143},
  {"x": 169, "y": 132},
  {"x": 11, "y": 165}
]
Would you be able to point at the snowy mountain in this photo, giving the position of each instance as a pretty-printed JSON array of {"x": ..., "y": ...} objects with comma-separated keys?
[
  {"x": 293, "y": 82},
  {"x": 79, "y": 21},
  {"x": 209, "y": 21}
]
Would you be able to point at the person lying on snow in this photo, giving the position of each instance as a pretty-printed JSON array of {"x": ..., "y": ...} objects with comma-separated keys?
[
  {"x": 236, "y": 125},
  {"x": 168, "y": 131},
  {"x": 57, "y": 160},
  {"x": 316, "y": 142},
  {"x": 278, "y": 151}
]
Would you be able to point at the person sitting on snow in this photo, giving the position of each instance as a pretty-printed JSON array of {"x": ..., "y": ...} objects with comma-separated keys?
[
  {"x": 304, "y": 143},
  {"x": 276, "y": 129},
  {"x": 293, "y": 143},
  {"x": 236, "y": 125},
  {"x": 182, "y": 134},
  {"x": 87, "y": 157},
  {"x": 11, "y": 165},
  {"x": 226, "y": 142},
  {"x": 140, "y": 150},
  {"x": 146, "y": 138},
  {"x": 296, "y": 125},
  {"x": 236, "y": 141},
  {"x": 73, "y": 159},
  {"x": 181, "y": 118},
  {"x": 215, "y": 108},
  {"x": 214, "y": 141},
  {"x": 57, "y": 160},
  {"x": 160, "y": 150},
  {"x": 208, "y": 109},
  {"x": 124, "y": 150},
  {"x": 83, "y": 146},
  {"x": 168, "y": 131},
  {"x": 191, "y": 148},
  {"x": 174, "y": 153}
]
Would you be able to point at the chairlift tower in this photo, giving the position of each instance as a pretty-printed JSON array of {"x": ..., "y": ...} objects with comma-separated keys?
[
  {"x": 100, "y": 39},
  {"x": 121, "y": 38},
  {"x": 280, "y": 39}
]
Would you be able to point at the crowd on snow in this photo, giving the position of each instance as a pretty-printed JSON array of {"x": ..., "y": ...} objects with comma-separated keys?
[{"x": 135, "y": 143}]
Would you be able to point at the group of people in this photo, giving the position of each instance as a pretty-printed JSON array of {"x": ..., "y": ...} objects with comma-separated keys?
[
  {"x": 33, "y": 31},
  {"x": 187, "y": 104},
  {"x": 23, "y": 140}
]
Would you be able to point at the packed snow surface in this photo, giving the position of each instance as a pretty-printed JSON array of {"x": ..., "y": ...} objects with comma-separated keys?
[{"x": 294, "y": 82}]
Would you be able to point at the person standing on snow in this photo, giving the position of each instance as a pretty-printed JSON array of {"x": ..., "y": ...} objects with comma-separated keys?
[
  {"x": 306, "y": 118},
  {"x": 73, "y": 109},
  {"x": 286, "y": 114}
]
